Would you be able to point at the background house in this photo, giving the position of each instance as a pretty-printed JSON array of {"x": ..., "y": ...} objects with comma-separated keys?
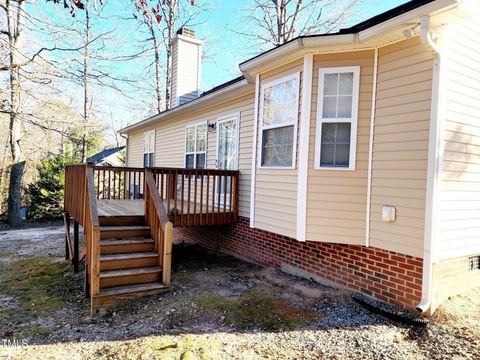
[{"x": 108, "y": 157}]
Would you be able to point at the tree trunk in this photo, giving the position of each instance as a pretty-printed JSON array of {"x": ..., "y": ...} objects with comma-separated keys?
[
  {"x": 168, "y": 76},
  {"x": 86, "y": 55},
  {"x": 14, "y": 193},
  {"x": 158, "y": 84},
  {"x": 15, "y": 37}
]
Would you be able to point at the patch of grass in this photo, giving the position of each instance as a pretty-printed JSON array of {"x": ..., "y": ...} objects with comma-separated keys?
[
  {"x": 40, "y": 286},
  {"x": 257, "y": 310}
]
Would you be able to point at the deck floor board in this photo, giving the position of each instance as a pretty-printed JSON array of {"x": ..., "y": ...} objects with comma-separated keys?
[{"x": 130, "y": 207}]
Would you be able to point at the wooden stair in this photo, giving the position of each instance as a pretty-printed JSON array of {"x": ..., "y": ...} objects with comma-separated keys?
[{"x": 129, "y": 265}]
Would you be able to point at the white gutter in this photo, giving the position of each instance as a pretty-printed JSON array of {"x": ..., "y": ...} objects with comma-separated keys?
[
  {"x": 370, "y": 149},
  {"x": 433, "y": 169}
]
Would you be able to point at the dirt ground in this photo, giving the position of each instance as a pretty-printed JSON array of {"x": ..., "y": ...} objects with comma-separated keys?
[{"x": 218, "y": 308}]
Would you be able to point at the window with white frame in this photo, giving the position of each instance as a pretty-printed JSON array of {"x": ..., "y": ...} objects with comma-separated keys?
[
  {"x": 196, "y": 146},
  {"x": 148, "y": 148},
  {"x": 278, "y": 122},
  {"x": 338, "y": 90}
]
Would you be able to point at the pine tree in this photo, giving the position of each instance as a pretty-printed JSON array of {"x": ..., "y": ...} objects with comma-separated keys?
[{"x": 46, "y": 194}]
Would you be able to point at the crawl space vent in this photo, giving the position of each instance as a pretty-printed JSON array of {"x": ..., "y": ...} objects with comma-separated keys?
[{"x": 474, "y": 263}]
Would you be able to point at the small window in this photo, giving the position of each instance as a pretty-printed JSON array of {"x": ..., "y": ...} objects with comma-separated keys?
[
  {"x": 196, "y": 146},
  {"x": 148, "y": 148},
  {"x": 337, "y": 118},
  {"x": 474, "y": 263},
  {"x": 278, "y": 121}
]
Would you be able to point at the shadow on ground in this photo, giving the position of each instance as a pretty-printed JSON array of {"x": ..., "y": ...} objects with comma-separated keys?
[{"x": 217, "y": 304}]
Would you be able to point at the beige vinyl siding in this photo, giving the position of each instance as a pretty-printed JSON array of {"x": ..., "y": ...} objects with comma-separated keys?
[
  {"x": 276, "y": 189},
  {"x": 135, "y": 150},
  {"x": 400, "y": 149},
  {"x": 336, "y": 199},
  {"x": 459, "y": 198},
  {"x": 170, "y": 142}
]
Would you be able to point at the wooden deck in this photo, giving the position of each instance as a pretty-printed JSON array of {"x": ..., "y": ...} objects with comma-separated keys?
[
  {"x": 192, "y": 213},
  {"x": 128, "y": 215},
  {"x": 120, "y": 207}
]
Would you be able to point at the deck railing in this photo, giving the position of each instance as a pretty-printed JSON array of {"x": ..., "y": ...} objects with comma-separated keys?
[
  {"x": 198, "y": 196},
  {"x": 80, "y": 201},
  {"x": 161, "y": 229},
  {"x": 119, "y": 182},
  {"x": 191, "y": 196}
]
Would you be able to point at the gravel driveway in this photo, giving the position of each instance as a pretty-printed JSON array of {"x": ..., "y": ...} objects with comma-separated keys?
[{"x": 219, "y": 308}]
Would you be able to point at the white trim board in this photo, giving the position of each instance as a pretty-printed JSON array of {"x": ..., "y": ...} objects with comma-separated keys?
[
  {"x": 370, "y": 149},
  {"x": 254, "y": 153},
  {"x": 302, "y": 181}
]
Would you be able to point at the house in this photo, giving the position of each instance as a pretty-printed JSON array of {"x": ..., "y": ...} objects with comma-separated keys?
[
  {"x": 108, "y": 157},
  {"x": 351, "y": 158}
]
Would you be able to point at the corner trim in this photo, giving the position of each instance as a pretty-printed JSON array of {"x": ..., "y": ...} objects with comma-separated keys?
[
  {"x": 370, "y": 149},
  {"x": 254, "y": 153},
  {"x": 303, "y": 145}
]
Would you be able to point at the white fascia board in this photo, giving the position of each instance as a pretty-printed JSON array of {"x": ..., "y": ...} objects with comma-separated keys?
[
  {"x": 403, "y": 19},
  {"x": 270, "y": 55}
]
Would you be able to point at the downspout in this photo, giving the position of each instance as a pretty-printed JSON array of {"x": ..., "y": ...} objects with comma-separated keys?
[
  {"x": 370, "y": 148},
  {"x": 432, "y": 170}
]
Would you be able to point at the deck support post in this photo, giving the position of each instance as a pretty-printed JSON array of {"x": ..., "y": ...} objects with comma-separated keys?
[
  {"x": 76, "y": 251},
  {"x": 66, "y": 220},
  {"x": 167, "y": 254}
]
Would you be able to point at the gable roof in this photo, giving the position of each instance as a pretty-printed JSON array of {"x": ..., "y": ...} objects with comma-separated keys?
[
  {"x": 100, "y": 156},
  {"x": 295, "y": 44}
]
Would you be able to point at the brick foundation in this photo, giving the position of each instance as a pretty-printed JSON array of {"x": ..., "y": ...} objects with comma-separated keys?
[{"x": 382, "y": 274}]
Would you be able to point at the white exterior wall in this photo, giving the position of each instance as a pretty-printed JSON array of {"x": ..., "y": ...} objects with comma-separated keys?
[{"x": 458, "y": 225}]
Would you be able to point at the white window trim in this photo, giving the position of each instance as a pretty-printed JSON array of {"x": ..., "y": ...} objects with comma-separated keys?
[
  {"x": 294, "y": 76},
  {"x": 147, "y": 134},
  {"x": 353, "y": 120},
  {"x": 230, "y": 117},
  {"x": 204, "y": 122}
]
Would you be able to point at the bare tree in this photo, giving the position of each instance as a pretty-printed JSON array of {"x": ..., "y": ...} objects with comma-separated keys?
[
  {"x": 152, "y": 22},
  {"x": 278, "y": 21},
  {"x": 14, "y": 12},
  {"x": 161, "y": 18},
  {"x": 25, "y": 84}
]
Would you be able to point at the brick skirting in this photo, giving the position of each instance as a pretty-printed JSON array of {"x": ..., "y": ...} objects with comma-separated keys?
[{"x": 385, "y": 275}]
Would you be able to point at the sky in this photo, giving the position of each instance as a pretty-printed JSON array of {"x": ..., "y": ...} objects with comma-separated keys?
[{"x": 223, "y": 50}]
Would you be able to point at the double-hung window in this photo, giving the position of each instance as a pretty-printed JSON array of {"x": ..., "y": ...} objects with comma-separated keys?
[
  {"x": 148, "y": 148},
  {"x": 196, "y": 146},
  {"x": 278, "y": 122},
  {"x": 337, "y": 114}
]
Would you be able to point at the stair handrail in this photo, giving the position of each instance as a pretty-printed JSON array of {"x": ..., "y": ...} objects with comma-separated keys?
[
  {"x": 92, "y": 235},
  {"x": 161, "y": 228}
]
